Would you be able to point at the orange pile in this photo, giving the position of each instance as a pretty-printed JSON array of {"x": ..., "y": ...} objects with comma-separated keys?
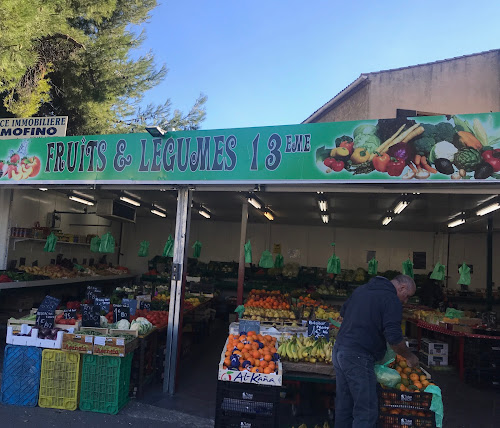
[
  {"x": 267, "y": 300},
  {"x": 412, "y": 379},
  {"x": 307, "y": 301},
  {"x": 253, "y": 352}
]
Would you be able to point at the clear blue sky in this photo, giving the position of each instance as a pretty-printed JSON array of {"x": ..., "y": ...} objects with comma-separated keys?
[{"x": 274, "y": 62}]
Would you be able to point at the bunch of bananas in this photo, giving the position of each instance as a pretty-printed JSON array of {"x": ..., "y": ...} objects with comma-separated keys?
[{"x": 306, "y": 349}]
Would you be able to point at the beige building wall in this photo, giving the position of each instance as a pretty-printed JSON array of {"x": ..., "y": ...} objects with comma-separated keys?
[{"x": 354, "y": 107}]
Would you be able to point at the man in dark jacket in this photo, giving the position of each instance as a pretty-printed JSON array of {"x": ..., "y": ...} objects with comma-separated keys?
[{"x": 371, "y": 318}]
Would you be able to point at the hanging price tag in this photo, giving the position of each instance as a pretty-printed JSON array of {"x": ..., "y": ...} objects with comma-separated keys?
[
  {"x": 121, "y": 312},
  {"x": 318, "y": 328},
  {"x": 91, "y": 316},
  {"x": 69, "y": 314}
]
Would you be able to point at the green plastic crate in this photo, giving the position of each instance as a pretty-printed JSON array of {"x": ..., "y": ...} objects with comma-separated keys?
[{"x": 105, "y": 383}]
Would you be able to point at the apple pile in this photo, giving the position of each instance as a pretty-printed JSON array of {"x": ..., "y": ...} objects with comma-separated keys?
[{"x": 20, "y": 169}]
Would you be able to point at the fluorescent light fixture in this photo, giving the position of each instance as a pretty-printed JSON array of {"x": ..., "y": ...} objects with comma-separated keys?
[
  {"x": 269, "y": 215},
  {"x": 400, "y": 207},
  {"x": 386, "y": 221},
  {"x": 488, "y": 209},
  {"x": 323, "y": 205},
  {"x": 325, "y": 218},
  {"x": 457, "y": 222},
  {"x": 203, "y": 212},
  {"x": 159, "y": 213},
  {"x": 130, "y": 201},
  {"x": 155, "y": 131},
  {"x": 81, "y": 200},
  {"x": 254, "y": 202},
  {"x": 43, "y": 189}
]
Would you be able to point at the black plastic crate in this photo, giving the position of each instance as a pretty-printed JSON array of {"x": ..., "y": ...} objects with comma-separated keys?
[
  {"x": 223, "y": 420},
  {"x": 408, "y": 400},
  {"x": 483, "y": 377},
  {"x": 403, "y": 419},
  {"x": 247, "y": 391}
]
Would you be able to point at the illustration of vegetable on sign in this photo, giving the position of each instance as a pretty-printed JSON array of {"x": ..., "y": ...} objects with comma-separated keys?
[{"x": 451, "y": 147}]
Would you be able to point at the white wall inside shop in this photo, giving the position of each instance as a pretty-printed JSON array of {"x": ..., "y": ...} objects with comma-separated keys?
[{"x": 31, "y": 206}]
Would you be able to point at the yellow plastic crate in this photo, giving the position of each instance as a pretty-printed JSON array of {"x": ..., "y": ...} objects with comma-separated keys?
[{"x": 60, "y": 380}]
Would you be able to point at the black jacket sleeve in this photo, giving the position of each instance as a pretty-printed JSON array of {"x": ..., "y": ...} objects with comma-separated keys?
[{"x": 391, "y": 321}]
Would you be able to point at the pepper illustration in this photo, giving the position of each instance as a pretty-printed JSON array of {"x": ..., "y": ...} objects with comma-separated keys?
[
  {"x": 380, "y": 162},
  {"x": 493, "y": 158},
  {"x": 395, "y": 167},
  {"x": 360, "y": 155}
]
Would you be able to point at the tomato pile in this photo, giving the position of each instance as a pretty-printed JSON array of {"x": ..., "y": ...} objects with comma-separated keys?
[
  {"x": 60, "y": 319},
  {"x": 157, "y": 318}
]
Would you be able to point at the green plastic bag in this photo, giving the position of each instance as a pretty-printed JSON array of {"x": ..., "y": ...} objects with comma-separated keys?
[
  {"x": 373, "y": 266},
  {"x": 387, "y": 376},
  {"x": 453, "y": 313},
  {"x": 266, "y": 260},
  {"x": 439, "y": 272},
  {"x": 464, "y": 274},
  {"x": 436, "y": 403},
  {"x": 240, "y": 310},
  {"x": 333, "y": 265},
  {"x": 197, "y": 249},
  {"x": 408, "y": 268},
  {"x": 144, "y": 249},
  {"x": 278, "y": 261},
  {"x": 50, "y": 244},
  {"x": 168, "y": 250},
  {"x": 95, "y": 242},
  {"x": 248, "y": 252},
  {"x": 107, "y": 244}
]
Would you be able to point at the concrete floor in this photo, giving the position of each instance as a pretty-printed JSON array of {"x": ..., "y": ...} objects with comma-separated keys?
[{"x": 194, "y": 403}]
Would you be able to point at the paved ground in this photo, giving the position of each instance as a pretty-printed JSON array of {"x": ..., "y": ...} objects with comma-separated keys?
[{"x": 194, "y": 403}]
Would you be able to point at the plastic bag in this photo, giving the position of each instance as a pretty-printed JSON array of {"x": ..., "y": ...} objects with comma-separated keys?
[
  {"x": 266, "y": 260},
  {"x": 248, "y": 252},
  {"x": 436, "y": 403},
  {"x": 240, "y": 310},
  {"x": 95, "y": 243},
  {"x": 168, "y": 250},
  {"x": 278, "y": 261},
  {"x": 144, "y": 249},
  {"x": 388, "y": 358},
  {"x": 408, "y": 268},
  {"x": 439, "y": 272},
  {"x": 387, "y": 376},
  {"x": 107, "y": 244},
  {"x": 464, "y": 274},
  {"x": 373, "y": 266},
  {"x": 50, "y": 244},
  {"x": 197, "y": 249},
  {"x": 333, "y": 265},
  {"x": 453, "y": 313}
]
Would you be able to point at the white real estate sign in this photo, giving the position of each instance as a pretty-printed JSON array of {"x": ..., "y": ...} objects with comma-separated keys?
[{"x": 33, "y": 127}]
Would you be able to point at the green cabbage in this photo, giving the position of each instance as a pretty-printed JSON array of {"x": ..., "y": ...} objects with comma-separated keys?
[
  {"x": 369, "y": 142},
  {"x": 364, "y": 129},
  {"x": 123, "y": 325}
]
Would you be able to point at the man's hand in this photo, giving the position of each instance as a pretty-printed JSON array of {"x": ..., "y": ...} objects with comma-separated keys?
[{"x": 412, "y": 360}]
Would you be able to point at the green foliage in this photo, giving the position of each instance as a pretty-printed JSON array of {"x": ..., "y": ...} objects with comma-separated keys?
[{"x": 72, "y": 57}]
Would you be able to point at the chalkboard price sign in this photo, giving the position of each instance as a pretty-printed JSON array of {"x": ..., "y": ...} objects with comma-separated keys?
[
  {"x": 45, "y": 319},
  {"x": 103, "y": 303},
  {"x": 92, "y": 292},
  {"x": 318, "y": 328},
  {"x": 69, "y": 314},
  {"x": 146, "y": 306},
  {"x": 49, "y": 303},
  {"x": 132, "y": 304},
  {"x": 249, "y": 325},
  {"x": 121, "y": 312},
  {"x": 91, "y": 316}
]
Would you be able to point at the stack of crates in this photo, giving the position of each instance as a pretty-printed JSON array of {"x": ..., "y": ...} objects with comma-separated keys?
[
  {"x": 105, "y": 383},
  {"x": 21, "y": 375},
  {"x": 246, "y": 405},
  {"x": 404, "y": 409},
  {"x": 482, "y": 362},
  {"x": 60, "y": 380}
]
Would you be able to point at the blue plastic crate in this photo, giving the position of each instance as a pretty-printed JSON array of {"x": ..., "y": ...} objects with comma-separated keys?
[{"x": 21, "y": 375}]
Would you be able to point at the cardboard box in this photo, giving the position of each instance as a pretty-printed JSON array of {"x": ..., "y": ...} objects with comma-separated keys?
[
  {"x": 231, "y": 375},
  {"x": 463, "y": 328},
  {"x": 433, "y": 360},
  {"x": 33, "y": 340},
  {"x": 113, "y": 346},
  {"x": 433, "y": 347},
  {"x": 82, "y": 343}
]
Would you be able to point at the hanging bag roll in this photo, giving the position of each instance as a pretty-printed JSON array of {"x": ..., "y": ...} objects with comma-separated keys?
[
  {"x": 50, "y": 244},
  {"x": 168, "y": 250},
  {"x": 197, "y": 249},
  {"x": 143, "y": 249},
  {"x": 408, "y": 268},
  {"x": 266, "y": 260},
  {"x": 107, "y": 244}
]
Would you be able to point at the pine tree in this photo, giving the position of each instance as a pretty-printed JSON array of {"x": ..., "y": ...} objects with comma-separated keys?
[{"x": 73, "y": 58}]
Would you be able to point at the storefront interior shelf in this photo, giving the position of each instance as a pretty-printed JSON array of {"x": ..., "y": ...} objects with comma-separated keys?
[
  {"x": 62, "y": 281},
  {"x": 16, "y": 240}
]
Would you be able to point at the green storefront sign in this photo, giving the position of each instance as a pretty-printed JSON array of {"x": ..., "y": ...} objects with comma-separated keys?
[{"x": 440, "y": 148}]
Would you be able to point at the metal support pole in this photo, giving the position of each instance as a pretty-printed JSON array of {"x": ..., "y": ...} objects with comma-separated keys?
[
  {"x": 489, "y": 265},
  {"x": 5, "y": 205},
  {"x": 174, "y": 329},
  {"x": 241, "y": 267}
]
